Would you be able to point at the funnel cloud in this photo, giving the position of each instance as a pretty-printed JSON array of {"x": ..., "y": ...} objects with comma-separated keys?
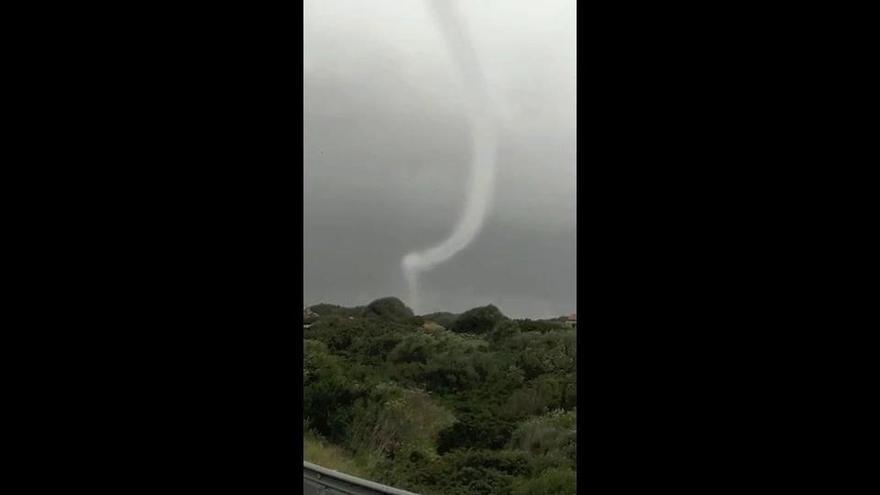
[
  {"x": 481, "y": 183},
  {"x": 389, "y": 136}
]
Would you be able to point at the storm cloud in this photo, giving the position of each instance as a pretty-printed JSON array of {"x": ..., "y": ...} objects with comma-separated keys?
[{"x": 387, "y": 154}]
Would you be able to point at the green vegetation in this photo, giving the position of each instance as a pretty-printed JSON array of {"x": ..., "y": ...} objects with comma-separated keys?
[
  {"x": 319, "y": 452},
  {"x": 443, "y": 318},
  {"x": 478, "y": 320},
  {"x": 390, "y": 308},
  {"x": 475, "y": 403}
]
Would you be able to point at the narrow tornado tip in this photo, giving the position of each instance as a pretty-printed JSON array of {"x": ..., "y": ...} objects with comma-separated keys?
[{"x": 411, "y": 262}]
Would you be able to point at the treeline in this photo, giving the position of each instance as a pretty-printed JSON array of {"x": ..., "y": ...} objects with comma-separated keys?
[{"x": 446, "y": 404}]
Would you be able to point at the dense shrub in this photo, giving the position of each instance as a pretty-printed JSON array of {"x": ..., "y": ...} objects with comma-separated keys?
[
  {"x": 444, "y": 319},
  {"x": 538, "y": 354},
  {"x": 463, "y": 472},
  {"x": 476, "y": 428},
  {"x": 504, "y": 461},
  {"x": 449, "y": 373},
  {"x": 527, "y": 401},
  {"x": 318, "y": 451},
  {"x": 412, "y": 349},
  {"x": 390, "y": 308},
  {"x": 476, "y": 472},
  {"x": 357, "y": 337},
  {"x": 328, "y": 394},
  {"x": 551, "y": 432},
  {"x": 334, "y": 331},
  {"x": 504, "y": 331},
  {"x": 478, "y": 320},
  {"x": 553, "y": 481},
  {"x": 374, "y": 349},
  {"x": 396, "y": 421},
  {"x": 334, "y": 310},
  {"x": 541, "y": 326},
  {"x": 481, "y": 408}
]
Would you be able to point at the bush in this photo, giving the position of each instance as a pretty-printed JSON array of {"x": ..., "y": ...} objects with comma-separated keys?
[
  {"x": 390, "y": 308},
  {"x": 476, "y": 428},
  {"x": 540, "y": 326},
  {"x": 438, "y": 411},
  {"x": 412, "y": 349},
  {"x": 395, "y": 421},
  {"x": 444, "y": 319},
  {"x": 478, "y": 320},
  {"x": 328, "y": 394},
  {"x": 449, "y": 373},
  {"x": 318, "y": 451},
  {"x": 550, "y": 440},
  {"x": 474, "y": 472},
  {"x": 504, "y": 461},
  {"x": 334, "y": 331},
  {"x": 334, "y": 310},
  {"x": 526, "y": 402},
  {"x": 541, "y": 395},
  {"x": 504, "y": 331},
  {"x": 553, "y": 481},
  {"x": 553, "y": 352},
  {"x": 374, "y": 349},
  {"x": 354, "y": 336}
]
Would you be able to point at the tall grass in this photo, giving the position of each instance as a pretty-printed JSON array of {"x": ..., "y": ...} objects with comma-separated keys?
[{"x": 332, "y": 457}]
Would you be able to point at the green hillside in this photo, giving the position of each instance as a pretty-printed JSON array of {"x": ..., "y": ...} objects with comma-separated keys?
[{"x": 475, "y": 403}]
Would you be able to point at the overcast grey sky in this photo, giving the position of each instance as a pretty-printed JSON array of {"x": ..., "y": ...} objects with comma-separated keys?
[{"x": 387, "y": 154}]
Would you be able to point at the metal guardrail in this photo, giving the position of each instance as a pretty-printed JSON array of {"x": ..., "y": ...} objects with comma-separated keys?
[{"x": 322, "y": 481}]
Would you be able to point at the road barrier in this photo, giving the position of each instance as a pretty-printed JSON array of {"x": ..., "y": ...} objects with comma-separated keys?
[{"x": 322, "y": 481}]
